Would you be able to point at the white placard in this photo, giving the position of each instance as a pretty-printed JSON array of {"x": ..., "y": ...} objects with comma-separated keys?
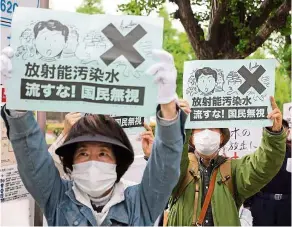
[
  {"x": 287, "y": 112},
  {"x": 11, "y": 186},
  {"x": 242, "y": 141}
]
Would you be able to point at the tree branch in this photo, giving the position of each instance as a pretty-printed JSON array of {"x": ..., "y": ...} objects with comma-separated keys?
[
  {"x": 275, "y": 22},
  {"x": 218, "y": 11},
  {"x": 266, "y": 8},
  {"x": 192, "y": 27}
]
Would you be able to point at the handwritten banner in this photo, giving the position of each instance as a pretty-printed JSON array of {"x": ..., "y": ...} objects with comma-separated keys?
[
  {"x": 243, "y": 141},
  {"x": 61, "y": 65},
  {"x": 228, "y": 93},
  {"x": 287, "y": 113}
]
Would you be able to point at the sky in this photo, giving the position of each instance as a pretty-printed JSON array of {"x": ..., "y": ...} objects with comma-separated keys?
[{"x": 109, "y": 6}]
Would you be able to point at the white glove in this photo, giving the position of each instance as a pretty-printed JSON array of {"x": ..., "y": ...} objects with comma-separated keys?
[
  {"x": 289, "y": 165},
  {"x": 6, "y": 63},
  {"x": 165, "y": 76}
]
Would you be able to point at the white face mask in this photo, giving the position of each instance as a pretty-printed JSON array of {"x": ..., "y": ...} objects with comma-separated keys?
[
  {"x": 206, "y": 142},
  {"x": 94, "y": 178}
]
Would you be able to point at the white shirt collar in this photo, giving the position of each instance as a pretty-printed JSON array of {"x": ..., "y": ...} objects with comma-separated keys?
[{"x": 117, "y": 196}]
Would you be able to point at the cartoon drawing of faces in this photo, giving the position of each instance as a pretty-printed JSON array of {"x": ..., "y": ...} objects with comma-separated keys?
[
  {"x": 26, "y": 37},
  {"x": 206, "y": 79},
  {"x": 93, "y": 45},
  {"x": 72, "y": 41},
  {"x": 50, "y": 38}
]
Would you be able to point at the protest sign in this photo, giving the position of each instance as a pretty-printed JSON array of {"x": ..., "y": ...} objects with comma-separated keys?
[
  {"x": 11, "y": 186},
  {"x": 7, "y": 9},
  {"x": 242, "y": 141},
  {"x": 7, "y": 154},
  {"x": 229, "y": 93},
  {"x": 70, "y": 67},
  {"x": 287, "y": 112},
  {"x": 130, "y": 124}
]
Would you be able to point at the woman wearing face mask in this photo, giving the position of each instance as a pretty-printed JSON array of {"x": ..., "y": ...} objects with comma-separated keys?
[
  {"x": 96, "y": 154},
  {"x": 205, "y": 175}
]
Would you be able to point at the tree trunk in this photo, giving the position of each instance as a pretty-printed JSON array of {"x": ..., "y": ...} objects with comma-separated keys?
[
  {"x": 288, "y": 45},
  {"x": 222, "y": 41}
]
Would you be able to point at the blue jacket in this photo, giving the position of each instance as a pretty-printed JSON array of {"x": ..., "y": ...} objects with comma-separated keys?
[{"x": 143, "y": 203}]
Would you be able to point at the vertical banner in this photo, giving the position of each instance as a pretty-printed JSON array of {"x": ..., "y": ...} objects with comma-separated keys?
[
  {"x": 7, "y": 9},
  {"x": 229, "y": 93},
  {"x": 70, "y": 67},
  {"x": 11, "y": 186}
]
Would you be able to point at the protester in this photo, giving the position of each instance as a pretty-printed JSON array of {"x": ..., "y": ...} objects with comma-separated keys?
[
  {"x": 238, "y": 178},
  {"x": 149, "y": 136},
  {"x": 96, "y": 153},
  {"x": 70, "y": 120},
  {"x": 272, "y": 205}
]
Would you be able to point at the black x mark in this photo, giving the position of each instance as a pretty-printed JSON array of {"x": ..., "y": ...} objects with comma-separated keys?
[
  {"x": 251, "y": 79},
  {"x": 123, "y": 45}
]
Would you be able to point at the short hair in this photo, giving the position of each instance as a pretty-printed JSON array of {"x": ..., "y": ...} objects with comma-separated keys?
[
  {"x": 206, "y": 71},
  {"x": 52, "y": 25},
  {"x": 285, "y": 123},
  {"x": 26, "y": 33},
  {"x": 103, "y": 125}
]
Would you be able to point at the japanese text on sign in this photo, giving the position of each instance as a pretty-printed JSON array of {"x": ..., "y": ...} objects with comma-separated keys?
[
  {"x": 242, "y": 141},
  {"x": 227, "y": 93},
  {"x": 46, "y": 90},
  {"x": 11, "y": 186},
  {"x": 7, "y": 9},
  {"x": 126, "y": 121},
  {"x": 76, "y": 66},
  {"x": 130, "y": 122}
]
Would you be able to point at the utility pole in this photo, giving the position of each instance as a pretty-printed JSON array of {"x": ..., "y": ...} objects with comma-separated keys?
[{"x": 41, "y": 119}]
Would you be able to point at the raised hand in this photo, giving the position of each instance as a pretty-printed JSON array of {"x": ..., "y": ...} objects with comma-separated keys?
[
  {"x": 147, "y": 139},
  {"x": 276, "y": 116},
  {"x": 165, "y": 76}
]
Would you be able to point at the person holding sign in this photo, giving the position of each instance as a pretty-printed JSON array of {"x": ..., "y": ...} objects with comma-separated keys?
[
  {"x": 271, "y": 206},
  {"x": 96, "y": 153},
  {"x": 212, "y": 188}
]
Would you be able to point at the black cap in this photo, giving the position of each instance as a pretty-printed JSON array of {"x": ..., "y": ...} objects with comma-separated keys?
[{"x": 62, "y": 150}]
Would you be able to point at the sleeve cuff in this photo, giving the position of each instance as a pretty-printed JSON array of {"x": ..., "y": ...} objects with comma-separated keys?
[
  {"x": 169, "y": 133},
  {"x": 166, "y": 122},
  {"x": 274, "y": 133},
  {"x": 15, "y": 113},
  {"x": 17, "y": 123}
]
